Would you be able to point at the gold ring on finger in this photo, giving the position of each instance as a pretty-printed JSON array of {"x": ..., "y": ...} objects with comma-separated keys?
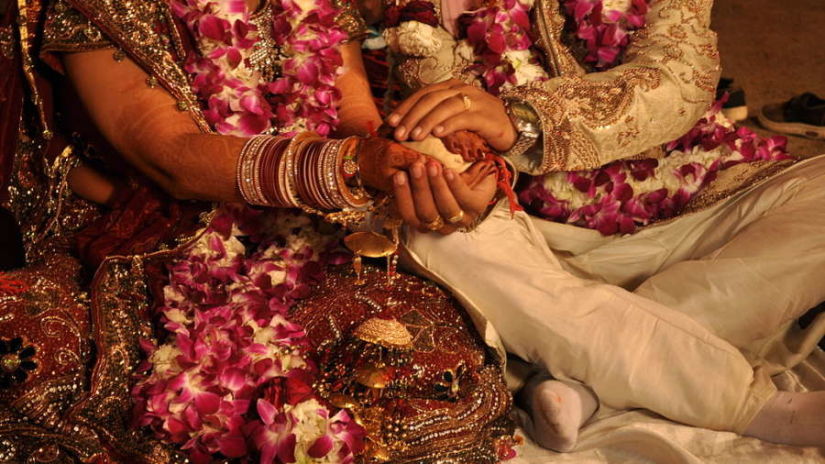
[
  {"x": 435, "y": 224},
  {"x": 467, "y": 102},
  {"x": 457, "y": 218}
]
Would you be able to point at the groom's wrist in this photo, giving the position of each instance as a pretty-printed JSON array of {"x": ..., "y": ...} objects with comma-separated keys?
[{"x": 527, "y": 124}]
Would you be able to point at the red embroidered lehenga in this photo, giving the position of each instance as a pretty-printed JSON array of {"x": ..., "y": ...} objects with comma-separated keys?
[{"x": 402, "y": 359}]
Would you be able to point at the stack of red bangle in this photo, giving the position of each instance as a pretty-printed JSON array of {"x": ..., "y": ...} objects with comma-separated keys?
[{"x": 306, "y": 171}]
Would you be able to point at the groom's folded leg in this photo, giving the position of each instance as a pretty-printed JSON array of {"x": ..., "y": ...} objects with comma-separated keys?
[{"x": 633, "y": 352}]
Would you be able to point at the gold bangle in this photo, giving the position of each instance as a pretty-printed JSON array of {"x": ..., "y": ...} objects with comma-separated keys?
[
  {"x": 248, "y": 171},
  {"x": 354, "y": 197}
]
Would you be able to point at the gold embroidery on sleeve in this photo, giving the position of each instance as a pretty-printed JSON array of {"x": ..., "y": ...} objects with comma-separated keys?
[
  {"x": 66, "y": 30},
  {"x": 133, "y": 25}
]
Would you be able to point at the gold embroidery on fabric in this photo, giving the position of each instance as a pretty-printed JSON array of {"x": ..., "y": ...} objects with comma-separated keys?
[
  {"x": 591, "y": 120},
  {"x": 24, "y": 17},
  {"x": 454, "y": 420},
  {"x": 630, "y": 131},
  {"x": 120, "y": 297},
  {"x": 66, "y": 30},
  {"x": 734, "y": 179},
  {"x": 133, "y": 25},
  {"x": 21, "y": 441},
  {"x": 40, "y": 199},
  {"x": 594, "y": 104},
  {"x": 6, "y": 42},
  {"x": 549, "y": 28},
  {"x": 349, "y": 19}
]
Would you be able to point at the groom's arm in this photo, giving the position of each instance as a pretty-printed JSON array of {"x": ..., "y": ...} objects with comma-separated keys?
[{"x": 665, "y": 85}]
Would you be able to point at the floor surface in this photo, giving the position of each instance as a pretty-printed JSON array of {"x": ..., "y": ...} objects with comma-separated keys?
[{"x": 775, "y": 50}]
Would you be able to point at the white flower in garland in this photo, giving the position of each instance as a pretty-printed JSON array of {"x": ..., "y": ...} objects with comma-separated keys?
[{"x": 413, "y": 38}]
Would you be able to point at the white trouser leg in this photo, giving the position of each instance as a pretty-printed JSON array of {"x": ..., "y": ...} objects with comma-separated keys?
[
  {"x": 767, "y": 266},
  {"x": 632, "y": 351}
]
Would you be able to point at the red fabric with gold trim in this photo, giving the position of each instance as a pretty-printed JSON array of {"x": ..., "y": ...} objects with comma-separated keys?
[
  {"x": 44, "y": 339},
  {"x": 404, "y": 357}
]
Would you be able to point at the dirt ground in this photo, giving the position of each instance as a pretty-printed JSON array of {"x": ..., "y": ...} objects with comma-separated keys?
[{"x": 775, "y": 50}]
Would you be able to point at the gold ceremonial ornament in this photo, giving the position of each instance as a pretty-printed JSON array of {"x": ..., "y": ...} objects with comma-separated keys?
[
  {"x": 340, "y": 400},
  {"x": 388, "y": 333},
  {"x": 371, "y": 245},
  {"x": 372, "y": 377}
]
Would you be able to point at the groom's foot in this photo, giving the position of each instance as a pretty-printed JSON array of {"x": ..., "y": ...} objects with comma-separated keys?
[
  {"x": 557, "y": 411},
  {"x": 791, "y": 418}
]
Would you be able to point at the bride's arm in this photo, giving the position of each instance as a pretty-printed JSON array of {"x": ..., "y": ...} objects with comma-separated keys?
[
  {"x": 144, "y": 125},
  {"x": 356, "y": 110}
]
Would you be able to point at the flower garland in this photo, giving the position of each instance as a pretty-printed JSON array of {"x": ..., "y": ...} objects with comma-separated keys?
[
  {"x": 494, "y": 40},
  {"x": 605, "y": 27},
  {"x": 500, "y": 37},
  {"x": 619, "y": 197},
  {"x": 231, "y": 378},
  {"x": 624, "y": 194},
  {"x": 412, "y": 29},
  {"x": 239, "y": 99}
]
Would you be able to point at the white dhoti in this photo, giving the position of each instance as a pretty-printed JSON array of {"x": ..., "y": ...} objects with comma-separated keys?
[{"x": 687, "y": 318}]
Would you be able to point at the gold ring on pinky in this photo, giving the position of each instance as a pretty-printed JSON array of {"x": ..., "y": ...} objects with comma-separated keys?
[
  {"x": 435, "y": 224},
  {"x": 457, "y": 218},
  {"x": 467, "y": 102}
]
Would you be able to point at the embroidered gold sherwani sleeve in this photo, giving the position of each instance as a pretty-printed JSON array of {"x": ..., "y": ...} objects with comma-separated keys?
[{"x": 665, "y": 85}]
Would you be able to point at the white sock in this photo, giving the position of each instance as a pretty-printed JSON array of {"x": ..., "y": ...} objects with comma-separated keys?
[
  {"x": 557, "y": 411},
  {"x": 791, "y": 419}
]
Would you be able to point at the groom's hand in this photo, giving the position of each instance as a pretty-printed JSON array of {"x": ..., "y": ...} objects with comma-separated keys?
[{"x": 444, "y": 108}]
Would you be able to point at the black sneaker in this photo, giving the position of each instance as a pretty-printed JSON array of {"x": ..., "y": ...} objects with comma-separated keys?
[
  {"x": 735, "y": 107},
  {"x": 801, "y": 115}
]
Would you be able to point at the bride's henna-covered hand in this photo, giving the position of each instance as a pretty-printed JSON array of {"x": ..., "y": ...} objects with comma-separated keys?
[
  {"x": 379, "y": 159},
  {"x": 443, "y": 108},
  {"x": 468, "y": 144},
  {"x": 430, "y": 191}
]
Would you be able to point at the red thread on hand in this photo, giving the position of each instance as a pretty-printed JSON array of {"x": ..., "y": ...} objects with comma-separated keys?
[{"x": 504, "y": 181}]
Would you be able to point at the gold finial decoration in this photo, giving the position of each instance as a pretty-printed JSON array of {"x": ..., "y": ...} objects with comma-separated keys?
[
  {"x": 388, "y": 333},
  {"x": 370, "y": 244}
]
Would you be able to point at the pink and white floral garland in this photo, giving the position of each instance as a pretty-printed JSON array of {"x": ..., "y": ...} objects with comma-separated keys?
[
  {"x": 500, "y": 38},
  {"x": 495, "y": 40},
  {"x": 231, "y": 376},
  {"x": 622, "y": 195},
  {"x": 619, "y": 197},
  {"x": 239, "y": 101},
  {"x": 605, "y": 27}
]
